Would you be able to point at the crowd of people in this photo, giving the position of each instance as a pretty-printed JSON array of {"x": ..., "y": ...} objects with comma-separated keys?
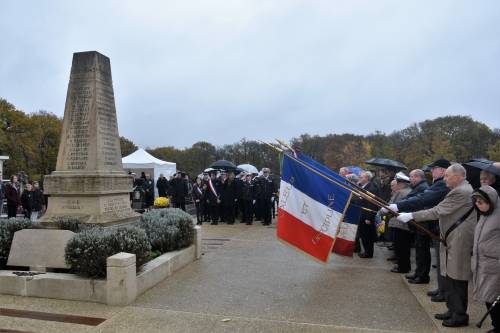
[
  {"x": 26, "y": 199},
  {"x": 462, "y": 224},
  {"x": 218, "y": 195}
]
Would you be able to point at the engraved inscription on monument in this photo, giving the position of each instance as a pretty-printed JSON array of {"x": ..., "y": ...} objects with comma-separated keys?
[{"x": 78, "y": 134}]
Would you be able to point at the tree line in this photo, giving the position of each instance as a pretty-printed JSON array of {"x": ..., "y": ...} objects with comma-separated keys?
[{"x": 32, "y": 142}]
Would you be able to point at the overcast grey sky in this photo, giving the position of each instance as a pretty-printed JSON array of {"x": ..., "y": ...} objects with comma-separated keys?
[{"x": 186, "y": 71}]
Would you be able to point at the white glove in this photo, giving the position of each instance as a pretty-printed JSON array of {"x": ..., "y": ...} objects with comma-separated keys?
[
  {"x": 253, "y": 202},
  {"x": 272, "y": 199},
  {"x": 394, "y": 207},
  {"x": 405, "y": 217},
  {"x": 383, "y": 210}
]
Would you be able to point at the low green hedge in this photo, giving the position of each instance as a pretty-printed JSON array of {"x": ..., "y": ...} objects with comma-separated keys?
[
  {"x": 168, "y": 229},
  {"x": 160, "y": 230},
  {"x": 7, "y": 229},
  {"x": 87, "y": 251}
]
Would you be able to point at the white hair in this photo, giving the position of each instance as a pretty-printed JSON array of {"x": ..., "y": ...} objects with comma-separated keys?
[
  {"x": 368, "y": 174},
  {"x": 418, "y": 173},
  {"x": 458, "y": 169}
]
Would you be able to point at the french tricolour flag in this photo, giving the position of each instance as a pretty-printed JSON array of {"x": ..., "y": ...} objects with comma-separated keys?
[{"x": 314, "y": 214}]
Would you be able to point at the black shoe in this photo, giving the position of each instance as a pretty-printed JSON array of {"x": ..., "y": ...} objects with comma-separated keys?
[
  {"x": 393, "y": 258},
  {"x": 419, "y": 280},
  {"x": 443, "y": 316},
  {"x": 433, "y": 292},
  {"x": 199, "y": 223},
  {"x": 364, "y": 255},
  {"x": 410, "y": 276},
  {"x": 456, "y": 322},
  {"x": 390, "y": 247},
  {"x": 438, "y": 298},
  {"x": 396, "y": 269},
  {"x": 214, "y": 223}
]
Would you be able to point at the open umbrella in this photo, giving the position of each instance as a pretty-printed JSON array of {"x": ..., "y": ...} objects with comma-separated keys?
[
  {"x": 248, "y": 168},
  {"x": 386, "y": 163},
  {"x": 223, "y": 165},
  {"x": 474, "y": 168}
]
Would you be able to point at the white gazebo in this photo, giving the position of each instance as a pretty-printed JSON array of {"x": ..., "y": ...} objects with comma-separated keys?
[{"x": 142, "y": 161}]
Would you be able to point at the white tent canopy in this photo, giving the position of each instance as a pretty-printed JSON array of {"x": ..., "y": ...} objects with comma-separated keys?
[{"x": 141, "y": 160}]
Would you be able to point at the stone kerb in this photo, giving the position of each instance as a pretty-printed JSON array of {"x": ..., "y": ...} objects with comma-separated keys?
[{"x": 121, "y": 287}]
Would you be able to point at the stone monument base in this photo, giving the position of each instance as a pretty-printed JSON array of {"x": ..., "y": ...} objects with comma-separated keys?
[{"x": 92, "y": 198}]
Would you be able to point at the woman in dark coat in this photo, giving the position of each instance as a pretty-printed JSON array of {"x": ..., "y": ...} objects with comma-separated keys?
[
  {"x": 486, "y": 251},
  {"x": 13, "y": 197}
]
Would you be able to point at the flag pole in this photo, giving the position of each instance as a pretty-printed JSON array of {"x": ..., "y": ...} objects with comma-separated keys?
[
  {"x": 374, "y": 200},
  {"x": 339, "y": 225}
]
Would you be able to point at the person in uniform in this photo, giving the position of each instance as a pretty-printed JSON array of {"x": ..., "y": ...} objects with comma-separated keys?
[
  {"x": 266, "y": 195},
  {"x": 247, "y": 198},
  {"x": 457, "y": 221},
  {"x": 212, "y": 197},
  {"x": 402, "y": 234}
]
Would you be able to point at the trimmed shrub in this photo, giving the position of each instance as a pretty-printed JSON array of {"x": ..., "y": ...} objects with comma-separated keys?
[
  {"x": 68, "y": 223},
  {"x": 7, "y": 230},
  {"x": 168, "y": 229},
  {"x": 87, "y": 251}
]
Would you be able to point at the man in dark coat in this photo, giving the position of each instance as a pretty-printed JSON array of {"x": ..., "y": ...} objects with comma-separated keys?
[
  {"x": 38, "y": 201},
  {"x": 179, "y": 191},
  {"x": 229, "y": 198},
  {"x": 149, "y": 190},
  {"x": 162, "y": 186},
  {"x": 265, "y": 195},
  {"x": 367, "y": 228},
  {"x": 429, "y": 198},
  {"x": 12, "y": 194},
  {"x": 247, "y": 198},
  {"x": 27, "y": 200}
]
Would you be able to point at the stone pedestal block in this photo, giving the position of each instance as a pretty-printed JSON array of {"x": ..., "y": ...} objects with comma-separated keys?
[
  {"x": 39, "y": 249},
  {"x": 121, "y": 283}
]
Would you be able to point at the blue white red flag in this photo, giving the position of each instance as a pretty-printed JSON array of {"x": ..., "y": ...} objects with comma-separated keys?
[{"x": 312, "y": 209}]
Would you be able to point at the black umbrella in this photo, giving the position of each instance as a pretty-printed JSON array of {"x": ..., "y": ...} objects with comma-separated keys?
[
  {"x": 386, "y": 163},
  {"x": 474, "y": 168},
  {"x": 223, "y": 165},
  {"x": 426, "y": 168}
]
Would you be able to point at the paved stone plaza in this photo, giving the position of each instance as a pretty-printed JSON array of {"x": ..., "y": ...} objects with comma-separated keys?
[{"x": 247, "y": 281}]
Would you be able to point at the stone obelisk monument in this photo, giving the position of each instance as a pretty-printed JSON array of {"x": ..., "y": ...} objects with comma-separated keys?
[{"x": 89, "y": 181}]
